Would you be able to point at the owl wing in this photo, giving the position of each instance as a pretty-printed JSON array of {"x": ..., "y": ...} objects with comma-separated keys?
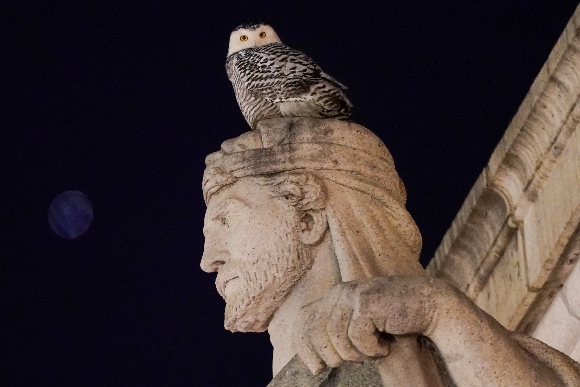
[{"x": 279, "y": 73}]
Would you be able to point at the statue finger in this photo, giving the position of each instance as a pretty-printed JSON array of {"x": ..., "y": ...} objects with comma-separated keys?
[
  {"x": 338, "y": 324},
  {"x": 301, "y": 339},
  {"x": 323, "y": 345},
  {"x": 311, "y": 359},
  {"x": 317, "y": 329},
  {"x": 365, "y": 336}
]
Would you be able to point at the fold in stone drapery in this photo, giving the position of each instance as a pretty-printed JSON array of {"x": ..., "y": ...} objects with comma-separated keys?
[{"x": 372, "y": 232}]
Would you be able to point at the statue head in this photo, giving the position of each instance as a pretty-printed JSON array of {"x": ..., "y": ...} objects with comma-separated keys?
[{"x": 276, "y": 193}]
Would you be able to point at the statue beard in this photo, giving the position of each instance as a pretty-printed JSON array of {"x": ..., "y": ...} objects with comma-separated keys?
[{"x": 266, "y": 279}]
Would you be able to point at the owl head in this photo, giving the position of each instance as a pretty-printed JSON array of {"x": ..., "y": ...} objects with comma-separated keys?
[{"x": 251, "y": 35}]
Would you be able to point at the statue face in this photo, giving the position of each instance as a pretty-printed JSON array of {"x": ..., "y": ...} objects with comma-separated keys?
[{"x": 252, "y": 242}]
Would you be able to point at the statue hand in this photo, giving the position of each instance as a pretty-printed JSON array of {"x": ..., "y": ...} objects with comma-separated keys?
[{"x": 356, "y": 319}]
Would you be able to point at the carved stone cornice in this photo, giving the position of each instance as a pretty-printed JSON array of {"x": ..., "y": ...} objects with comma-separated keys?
[{"x": 518, "y": 169}]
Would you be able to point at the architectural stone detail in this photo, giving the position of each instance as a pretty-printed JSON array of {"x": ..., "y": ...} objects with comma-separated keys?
[{"x": 506, "y": 247}]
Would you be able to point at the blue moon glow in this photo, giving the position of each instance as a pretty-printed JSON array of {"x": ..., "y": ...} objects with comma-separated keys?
[{"x": 70, "y": 214}]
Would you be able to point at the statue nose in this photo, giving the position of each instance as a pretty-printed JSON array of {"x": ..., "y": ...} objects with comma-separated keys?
[
  {"x": 209, "y": 260},
  {"x": 212, "y": 258}
]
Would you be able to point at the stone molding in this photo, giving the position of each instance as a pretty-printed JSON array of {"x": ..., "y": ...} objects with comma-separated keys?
[
  {"x": 555, "y": 319},
  {"x": 499, "y": 233}
]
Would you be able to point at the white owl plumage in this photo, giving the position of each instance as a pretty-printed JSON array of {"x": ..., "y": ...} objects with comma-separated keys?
[{"x": 272, "y": 80}]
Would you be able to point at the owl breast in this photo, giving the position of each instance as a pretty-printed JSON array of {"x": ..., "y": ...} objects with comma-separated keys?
[{"x": 275, "y": 80}]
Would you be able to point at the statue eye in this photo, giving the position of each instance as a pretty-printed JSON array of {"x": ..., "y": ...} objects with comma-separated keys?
[
  {"x": 243, "y": 38},
  {"x": 262, "y": 34}
]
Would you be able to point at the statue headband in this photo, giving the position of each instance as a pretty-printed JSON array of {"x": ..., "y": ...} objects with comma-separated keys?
[{"x": 330, "y": 147}]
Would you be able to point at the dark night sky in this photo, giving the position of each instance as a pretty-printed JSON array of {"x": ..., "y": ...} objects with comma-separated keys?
[{"x": 123, "y": 101}]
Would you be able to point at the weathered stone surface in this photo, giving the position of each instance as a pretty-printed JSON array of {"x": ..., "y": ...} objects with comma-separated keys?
[
  {"x": 560, "y": 325},
  {"x": 553, "y": 216},
  {"x": 507, "y": 286},
  {"x": 307, "y": 230},
  {"x": 296, "y": 374},
  {"x": 506, "y": 248}
]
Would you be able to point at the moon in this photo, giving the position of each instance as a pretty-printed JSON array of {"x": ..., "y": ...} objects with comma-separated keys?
[{"x": 70, "y": 214}]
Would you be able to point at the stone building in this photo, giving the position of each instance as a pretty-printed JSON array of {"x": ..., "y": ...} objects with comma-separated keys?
[{"x": 514, "y": 245}]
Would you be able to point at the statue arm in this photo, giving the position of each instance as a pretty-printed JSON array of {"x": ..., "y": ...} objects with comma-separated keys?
[
  {"x": 350, "y": 325},
  {"x": 477, "y": 350}
]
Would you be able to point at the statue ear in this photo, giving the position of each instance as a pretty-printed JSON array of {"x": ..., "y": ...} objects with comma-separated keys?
[{"x": 312, "y": 226}]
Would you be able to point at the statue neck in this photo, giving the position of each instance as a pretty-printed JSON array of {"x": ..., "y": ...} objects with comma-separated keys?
[{"x": 314, "y": 285}]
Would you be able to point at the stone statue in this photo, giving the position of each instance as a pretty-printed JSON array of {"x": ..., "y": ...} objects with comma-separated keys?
[{"x": 307, "y": 230}]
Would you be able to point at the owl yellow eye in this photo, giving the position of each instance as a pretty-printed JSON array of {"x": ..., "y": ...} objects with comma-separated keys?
[
  {"x": 243, "y": 38},
  {"x": 262, "y": 34}
]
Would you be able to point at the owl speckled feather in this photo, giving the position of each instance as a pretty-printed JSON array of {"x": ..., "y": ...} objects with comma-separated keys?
[{"x": 271, "y": 79}]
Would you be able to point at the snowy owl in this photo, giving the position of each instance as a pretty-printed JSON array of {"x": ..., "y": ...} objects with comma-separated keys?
[{"x": 271, "y": 79}]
